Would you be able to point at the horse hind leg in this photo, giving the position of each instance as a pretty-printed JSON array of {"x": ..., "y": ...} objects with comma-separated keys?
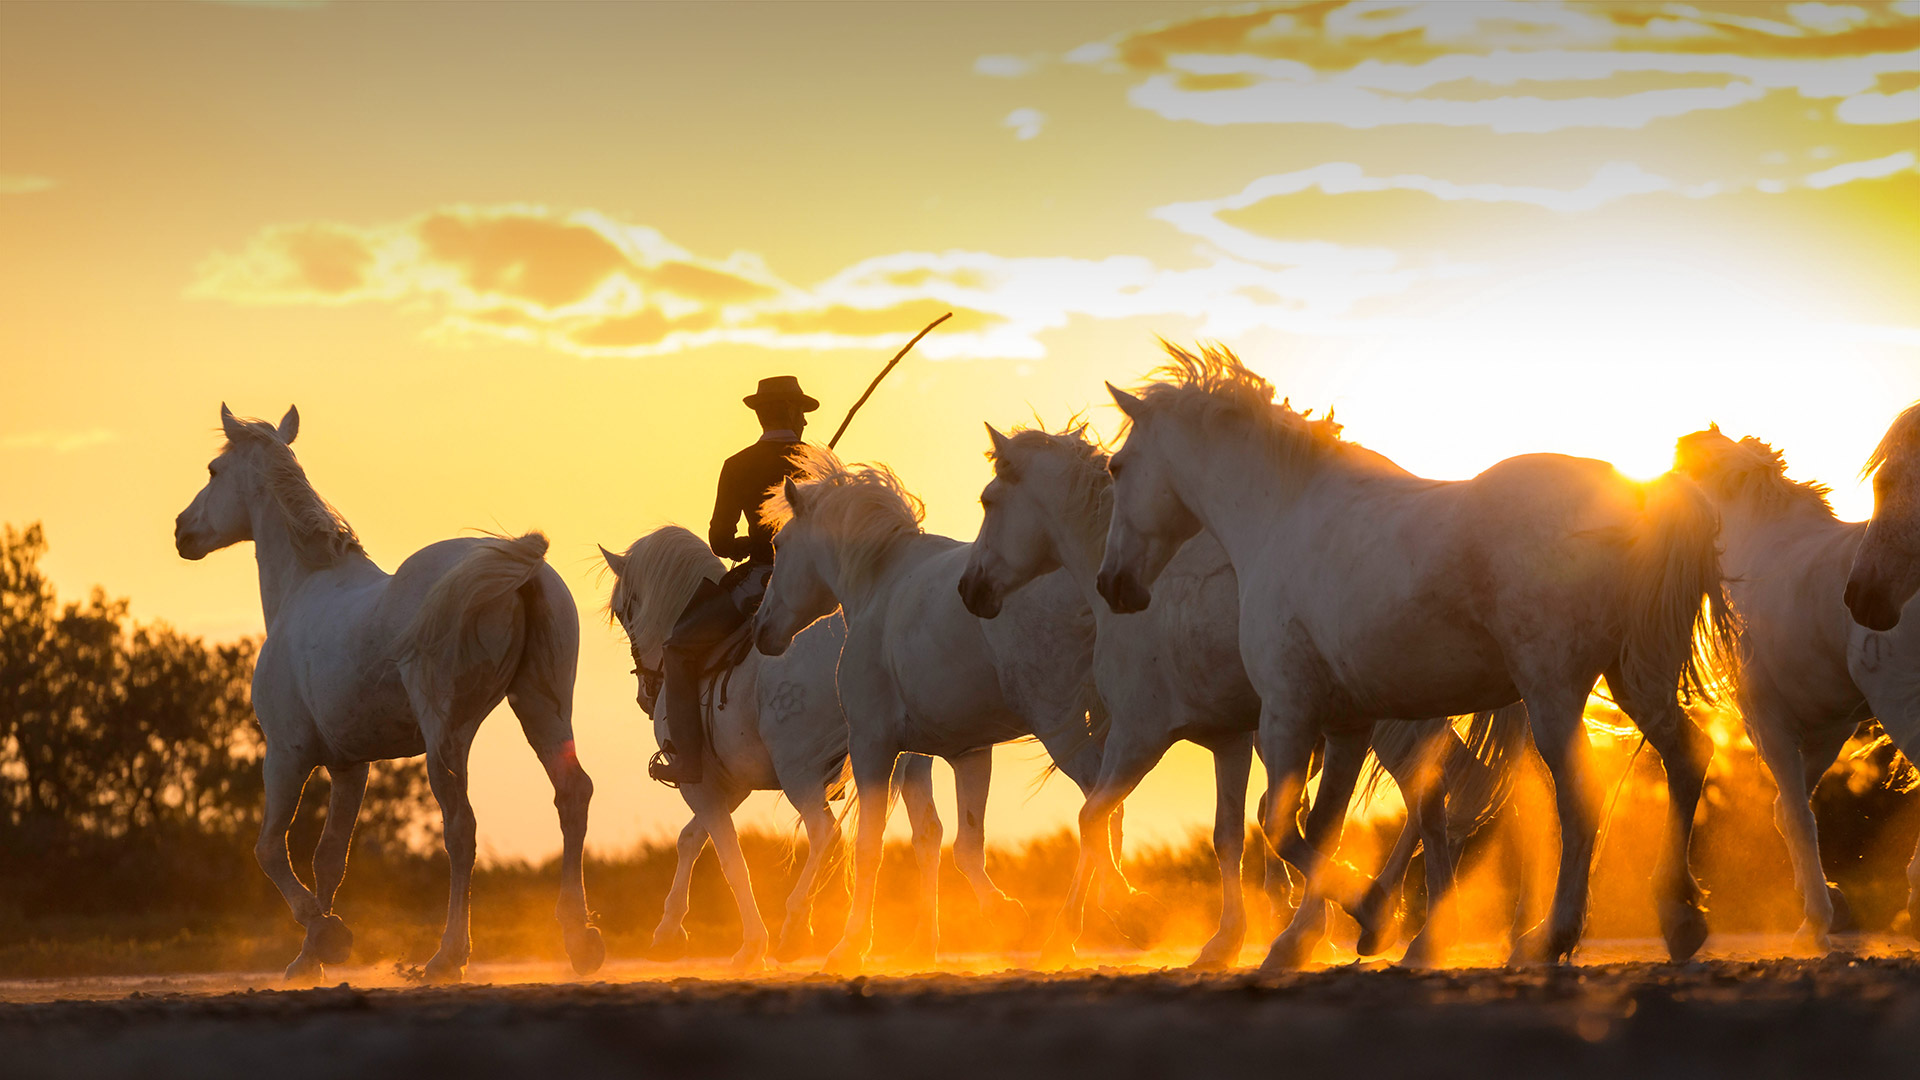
[
  {"x": 913, "y": 781},
  {"x": 1684, "y": 750},
  {"x": 328, "y": 938},
  {"x": 796, "y": 933},
  {"x": 1232, "y": 762},
  {"x": 540, "y": 697},
  {"x": 670, "y": 937},
  {"x": 447, "y": 775}
]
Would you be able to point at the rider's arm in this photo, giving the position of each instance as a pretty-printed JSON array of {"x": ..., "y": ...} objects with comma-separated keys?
[{"x": 726, "y": 517}]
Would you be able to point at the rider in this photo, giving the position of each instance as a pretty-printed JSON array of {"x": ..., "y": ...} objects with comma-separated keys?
[{"x": 719, "y": 608}]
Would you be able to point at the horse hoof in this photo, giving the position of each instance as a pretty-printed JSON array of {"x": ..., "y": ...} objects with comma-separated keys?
[
  {"x": 842, "y": 961},
  {"x": 1421, "y": 954},
  {"x": 1287, "y": 954},
  {"x": 1684, "y": 937},
  {"x": 329, "y": 940},
  {"x": 668, "y": 945},
  {"x": 751, "y": 957},
  {"x": 1216, "y": 955},
  {"x": 586, "y": 948},
  {"x": 1843, "y": 918},
  {"x": 792, "y": 944},
  {"x": 304, "y": 971},
  {"x": 442, "y": 970},
  {"x": 1537, "y": 946},
  {"x": 1009, "y": 916},
  {"x": 1810, "y": 940}
]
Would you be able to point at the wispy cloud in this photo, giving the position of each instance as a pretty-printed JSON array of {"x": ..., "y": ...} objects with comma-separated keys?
[
  {"x": 586, "y": 283},
  {"x": 16, "y": 184},
  {"x": 1026, "y": 123},
  {"x": 1511, "y": 67},
  {"x": 60, "y": 442}
]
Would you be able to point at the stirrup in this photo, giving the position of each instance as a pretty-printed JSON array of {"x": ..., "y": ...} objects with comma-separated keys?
[{"x": 660, "y": 763}]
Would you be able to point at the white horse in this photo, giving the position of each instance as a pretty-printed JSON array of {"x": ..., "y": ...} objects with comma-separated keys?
[
  {"x": 919, "y": 674},
  {"x": 360, "y": 665},
  {"x": 1173, "y": 672},
  {"x": 773, "y": 723},
  {"x": 1808, "y": 674},
  {"x": 1886, "y": 568},
  {"x": 1367, "y": 593}
]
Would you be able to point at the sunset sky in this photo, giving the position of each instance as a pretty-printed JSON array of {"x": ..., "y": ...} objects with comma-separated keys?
[{"x": 517, "y": 264}]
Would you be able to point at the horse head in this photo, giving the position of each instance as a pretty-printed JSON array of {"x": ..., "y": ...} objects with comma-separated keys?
[
  {"x": 1040, "y": 484},
  {"x": 1886, "y": 566},
  {"x": 221, "y": 514},
  {"x": 1150, "y": 519},
  {"x": 801, "y": 588}
]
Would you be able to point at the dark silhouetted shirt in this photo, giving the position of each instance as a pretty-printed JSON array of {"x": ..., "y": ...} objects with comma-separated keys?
[{"x": 745, "y": 481}]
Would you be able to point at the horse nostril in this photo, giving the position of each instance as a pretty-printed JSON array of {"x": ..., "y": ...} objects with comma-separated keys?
[{"x": 1852, "y": 596}]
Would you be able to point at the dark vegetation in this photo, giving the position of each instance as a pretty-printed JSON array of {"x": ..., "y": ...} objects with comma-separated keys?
[{"x": 130, "y": 800}]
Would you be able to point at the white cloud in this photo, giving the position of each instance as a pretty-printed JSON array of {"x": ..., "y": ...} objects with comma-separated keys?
[
  {"x": 1863, "y": 170},
  {"x": 1003, "y": 66},
  {"x": 1366, "y": 65},
  {"x": 60, "y": 442},
  {"x": 1900, "y": 108},
  {"x": 1026, "y": 123},
  {"x": 24, "y": 185}
]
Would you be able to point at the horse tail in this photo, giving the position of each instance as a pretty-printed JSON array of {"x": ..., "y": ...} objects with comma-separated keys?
[
  {"x": 1479, "y": 775},
  {"x": 1681, "y": 630},
  {"x": 443, "y": 644}
]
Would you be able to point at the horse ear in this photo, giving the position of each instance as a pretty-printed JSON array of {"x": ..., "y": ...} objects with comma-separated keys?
[
  {"x": 999, "y": 441},
  {"x": 1713, "y": 429},
  {"x": 290, "y": 425},
  {"x": 1127, "y": 402},
  {"x": 792, "y": 494},
  {"x": 616, "y": 563},
  {"x": 230, "y": 423}
]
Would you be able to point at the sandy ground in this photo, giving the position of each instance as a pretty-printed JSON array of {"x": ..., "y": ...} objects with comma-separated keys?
[{"x": 1618, "y": 1013}]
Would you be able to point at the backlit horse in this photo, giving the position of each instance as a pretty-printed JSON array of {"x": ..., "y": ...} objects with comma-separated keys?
[
  {"x": 774, "y": 723},
  {"x": 1808, "y": 675},
  {"x": 919, "y": 673},
  {"x": 1368, "y": 593},
  {"x": 360, "y": 665},
  {"x": 1173, "y": 672},
  {"x": 1886, "y": 568}
]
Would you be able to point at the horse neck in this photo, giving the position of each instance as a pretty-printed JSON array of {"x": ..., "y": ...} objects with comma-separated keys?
[
  {"x": 1080, "y": 542},
  {"x": 857, "y": 598},
  {"x": 1214, "y": 475},
  {"x": 282, "y": 570}
]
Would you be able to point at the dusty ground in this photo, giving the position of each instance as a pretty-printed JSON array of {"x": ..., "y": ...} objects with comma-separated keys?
[{"x": 1619, "y": 1014}]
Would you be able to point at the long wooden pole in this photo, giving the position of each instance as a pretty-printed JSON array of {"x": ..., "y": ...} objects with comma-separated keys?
[{"x": 831, "y": 443}]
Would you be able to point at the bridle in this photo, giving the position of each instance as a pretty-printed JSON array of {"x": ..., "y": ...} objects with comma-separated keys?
[{"x": 650, "y": 678}]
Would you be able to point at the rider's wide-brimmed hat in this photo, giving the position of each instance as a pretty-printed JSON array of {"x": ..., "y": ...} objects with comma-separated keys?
[{"x": 780, "y": 388}]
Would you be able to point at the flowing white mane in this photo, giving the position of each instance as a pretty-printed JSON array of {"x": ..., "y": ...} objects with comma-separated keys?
[
  {"x": 1749, "y": 471},
  {"x": 1214, "y": 386},
  {"x": 1087, "y": 478},
  {"x": 320, "y": 534},
  {"x": 662, "y": 569},
  {"x": 864, "y": 509},
  {"x": 1901, "y": 440}
]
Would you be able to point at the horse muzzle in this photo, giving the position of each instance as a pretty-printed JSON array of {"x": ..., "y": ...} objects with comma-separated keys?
[
  {"x": 1123, "y": 592},
  {"x": 1869, "y": 607},
  {"x": 770, "y": 642},
  {"x": 184, "y": 544},
  {"x": 978, "y": 594}
]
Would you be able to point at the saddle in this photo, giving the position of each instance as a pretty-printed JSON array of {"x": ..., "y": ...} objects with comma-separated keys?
[{"x": 717, "y": 672}]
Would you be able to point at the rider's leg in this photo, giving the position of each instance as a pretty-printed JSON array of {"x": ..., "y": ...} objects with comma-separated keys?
[{"x": 707, "y": 621}]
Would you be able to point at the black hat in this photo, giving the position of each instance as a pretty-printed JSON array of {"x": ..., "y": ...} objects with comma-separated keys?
[{"x": 780, "y": 388}]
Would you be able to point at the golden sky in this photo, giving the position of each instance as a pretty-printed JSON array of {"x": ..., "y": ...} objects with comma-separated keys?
[{"x": 518, "y": 263}]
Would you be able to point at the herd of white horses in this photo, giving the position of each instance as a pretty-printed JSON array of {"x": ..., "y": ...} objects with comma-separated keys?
[{"x": 1235, "y": 574}]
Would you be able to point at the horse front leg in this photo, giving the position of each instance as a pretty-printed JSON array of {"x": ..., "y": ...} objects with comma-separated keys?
[
  {"x": 1556, "y": 720},
  {"x": 796, "y": 933},
  {"x": 284, "y": 775},
  {"x": 873, "y": 781},
  {"x": 972, "y": 777},
  {"x": 715, "y": 805},
  {"x": 1346, "y": 753},
  {"x": 1232, "y": 763},
  {"x": 328, "y": 939},
  {"x": 913, "y": 781}
]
